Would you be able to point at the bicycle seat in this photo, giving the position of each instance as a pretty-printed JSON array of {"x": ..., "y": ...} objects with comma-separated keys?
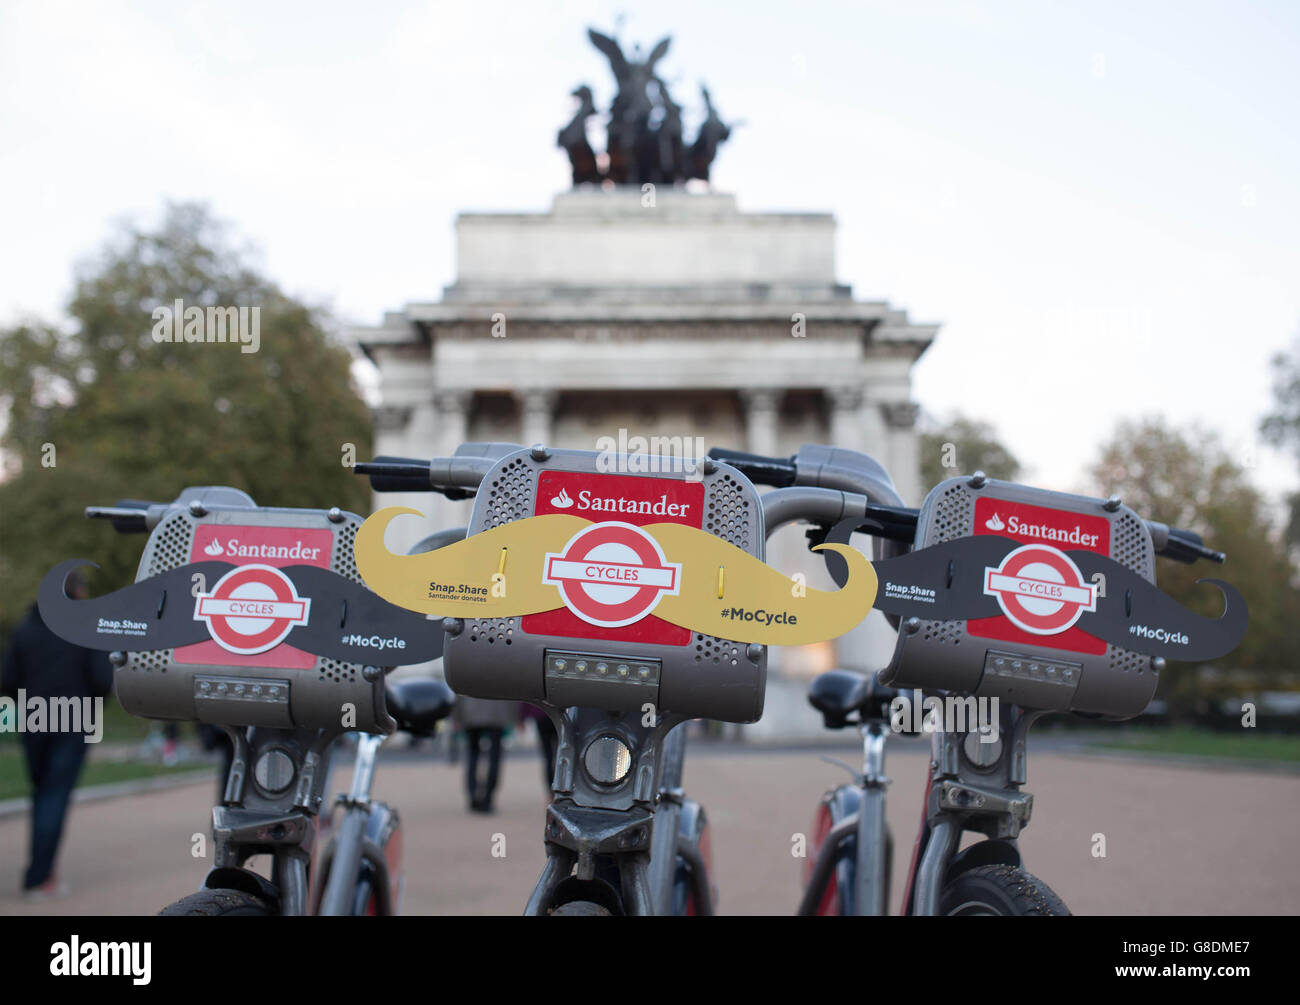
[
  {"x": 837, "y": 694},
  {"x": 418, "y": 704}
]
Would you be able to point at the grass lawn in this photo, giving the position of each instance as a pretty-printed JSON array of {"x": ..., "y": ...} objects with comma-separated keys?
[
  {"x": 1246, "y": 744},
  {"x": 119, "y": 728},
  {"x": 13, "y": 772}
]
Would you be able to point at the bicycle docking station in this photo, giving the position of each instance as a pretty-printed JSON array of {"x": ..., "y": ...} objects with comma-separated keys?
[{"x": 625, "y": 599}]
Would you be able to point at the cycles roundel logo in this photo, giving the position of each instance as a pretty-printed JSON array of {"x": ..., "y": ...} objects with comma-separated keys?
[
  {"x": 251, "y": 609},
  {"x": 1040, "y": 589},
  {"x": 612, "y": 574}
]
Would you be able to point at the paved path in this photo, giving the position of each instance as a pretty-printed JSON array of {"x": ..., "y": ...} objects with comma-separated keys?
[{"x": 1178, "y": 840}]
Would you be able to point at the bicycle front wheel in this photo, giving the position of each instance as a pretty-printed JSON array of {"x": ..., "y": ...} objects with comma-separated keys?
[
  {"x": 1000, "y": 891},
  {"x": 219, "y": 904}
]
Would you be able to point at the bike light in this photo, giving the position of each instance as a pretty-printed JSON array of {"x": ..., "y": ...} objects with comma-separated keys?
[
  {"x": 1030, "y": 681},
  {"x": 607, "y": 760},
  {"x": 260, "y": 701},
  {"x": 597, "y": 680}
]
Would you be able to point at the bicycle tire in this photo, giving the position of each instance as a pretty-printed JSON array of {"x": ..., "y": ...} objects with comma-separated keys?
[
  {"x": 219, "y": 904},
  {"x": 1000, "y": 891},
  {"x": 582, "y": 909}
]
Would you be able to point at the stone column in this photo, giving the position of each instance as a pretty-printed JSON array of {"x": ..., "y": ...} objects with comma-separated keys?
[
  {"x": 405, "y": 430},
  {"x": 451, "y": 428},
  {"x": 761, "y": 406},
  {"x": 904, "y": 452},
  {"x": 451, "y": 420},
  {"x": 392, "y": 425},
  {"x": 537, "y": 411},
  {"x": 873, "y": 431},
  {"x": 846, "y": 418}
]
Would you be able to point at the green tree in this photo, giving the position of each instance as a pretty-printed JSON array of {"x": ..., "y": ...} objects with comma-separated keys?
[
  {"x": 1188, "y": 479},
  {"x": 962, "y": 446},
  {"x": 104, "y": 411},
  {"x": 1281, "y": 427}
]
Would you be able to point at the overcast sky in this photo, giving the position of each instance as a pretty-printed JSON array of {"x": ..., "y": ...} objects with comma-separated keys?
[{"x": 1097, "y": 201}]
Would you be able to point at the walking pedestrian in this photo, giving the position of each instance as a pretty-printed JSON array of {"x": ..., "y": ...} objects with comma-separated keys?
[
  {"x": 41, "y": 665},
  {"x": 485, "y": 722}
]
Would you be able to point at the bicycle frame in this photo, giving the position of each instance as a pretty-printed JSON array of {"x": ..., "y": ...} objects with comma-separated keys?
[
  {"x": 633, "y": 853},
  {"x": 361, "y": 865},
  {"x": 637, "y": 846},
  {"x": 865, "y": 825},
  {"x": 963, "y": 795},
  {"x": 254, "y": 819},
  {"x": 679, "y": 866},
  {"x": 960, "y": 795},
  {"x": 361, "y": 862}
]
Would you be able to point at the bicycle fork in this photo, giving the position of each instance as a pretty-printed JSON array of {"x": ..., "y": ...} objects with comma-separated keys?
[{"x": 974, "y": 784}]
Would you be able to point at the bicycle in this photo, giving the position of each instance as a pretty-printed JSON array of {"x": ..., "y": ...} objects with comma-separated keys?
[
  {"x": 975, "y": 778},
  {"x": 279, "y": 706},
  {"x": 621, "y": 835}
]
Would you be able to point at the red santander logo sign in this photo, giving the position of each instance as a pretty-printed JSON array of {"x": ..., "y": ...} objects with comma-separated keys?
[
  {"x": 1040, "y": 590},
  {"x": 246, "y": 546},
  {"x": 611, "y": 608}
]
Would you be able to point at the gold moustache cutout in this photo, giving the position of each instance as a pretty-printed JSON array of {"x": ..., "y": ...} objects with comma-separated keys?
[
  {"x": 722, "y": 590},
  {"x": 729, "y": 593},
  {"x": 497, "y": 573}
]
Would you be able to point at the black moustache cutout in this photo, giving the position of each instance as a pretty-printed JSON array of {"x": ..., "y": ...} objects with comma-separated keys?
[
  {"x": 155, "y": 613},
  {"x": 350, "y": 623},
  {"x": 945, "y": 582},
  {"x": 347, "y": 622}
]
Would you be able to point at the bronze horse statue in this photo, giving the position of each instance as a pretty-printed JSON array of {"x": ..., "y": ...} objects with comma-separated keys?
[
  {"x": 573, "y": 138},
  {"x": 645, "y": 141}
]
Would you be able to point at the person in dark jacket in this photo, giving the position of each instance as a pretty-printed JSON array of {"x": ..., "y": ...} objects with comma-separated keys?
[
  {"x": 483, "y": 719},
  {"x": 42, "y": 665}
]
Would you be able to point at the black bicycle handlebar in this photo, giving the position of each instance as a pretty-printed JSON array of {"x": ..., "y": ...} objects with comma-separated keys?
[
  {"x": 775, "y": 471},
  {"x": 395, "y": 474},
  {"x": 1184, "y": 546},
  {"x": 898, "y": 523},
  {"x": 128, "y": 515},
  {"x": 405, "y": 474}
]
